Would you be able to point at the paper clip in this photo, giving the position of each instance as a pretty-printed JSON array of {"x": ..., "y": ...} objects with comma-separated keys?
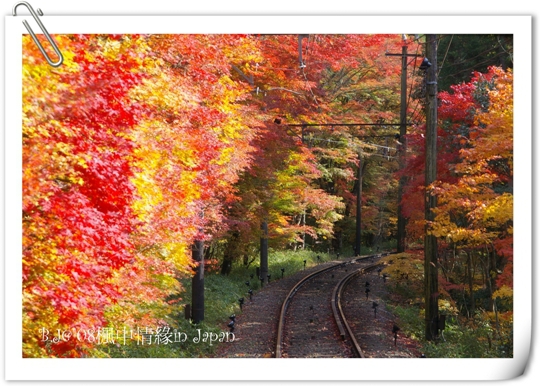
[{"x": 49, "y": 38}]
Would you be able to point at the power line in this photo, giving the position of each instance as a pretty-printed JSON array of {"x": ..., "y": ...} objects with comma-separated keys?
[
  {"x": 446, "y": 53},
  {"x": 341, "y": 142},
  {"x": 474, "y": 57},
  {"x": 412, "y": 79},
  {"x": 470, "y": 68},
  {"x": 418, "y": 114}
]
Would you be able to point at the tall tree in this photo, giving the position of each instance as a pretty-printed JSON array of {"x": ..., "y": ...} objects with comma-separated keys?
[{"x": 77, "y": 193}]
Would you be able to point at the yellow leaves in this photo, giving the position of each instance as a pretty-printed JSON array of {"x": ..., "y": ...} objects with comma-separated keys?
[
  {"x": 164, "y": 92},
  {"x": 444, "y": 227},
  {"x": 187, "y": 187},
  {"x": 30, "y": 132},
  {"x": 68, "y": 65},
  {"x": 471, "y": 210},
  {"x": 499, "y": 211},
  {"x": 401, "y": 259},
  {"x": 82, "y": 162},
  {"x": 184, "y": 156},
  {"x": 496, "y": 140},
  {"x": 148, "y": 192},
  {"x": 178, "y": 254},
  {"x": 447, "y": 307},
  {"x": 405, "y": 269},
  {"x": 501, "y": 99},
  {"x": 225, "y": 156},
  {"x": 504, "y": 292},
  {"x": 472, "y": 236},
  {"x": 245, "y": 50},
  {"x": 110, "y": 48}
]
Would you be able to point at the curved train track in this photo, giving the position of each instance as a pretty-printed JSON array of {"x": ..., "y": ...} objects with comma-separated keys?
[
  {"x": 345, "y": 330},
  {"x": 311, "y": 323}
]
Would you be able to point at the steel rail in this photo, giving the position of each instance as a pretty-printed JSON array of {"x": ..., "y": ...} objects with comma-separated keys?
[
  {"x": 339, "y": 314},
  {"x": 297, "y": 286}
]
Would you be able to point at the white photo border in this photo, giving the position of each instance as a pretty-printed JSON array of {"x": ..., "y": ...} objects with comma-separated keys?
[{"x": 18, "y": 368}]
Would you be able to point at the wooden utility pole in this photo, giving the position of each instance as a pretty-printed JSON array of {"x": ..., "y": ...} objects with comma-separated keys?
[
  {"x": 431, "y": 284},
  {"x": 264, "y": 252},
  {"x": 357, "y": 244},
  {"x": 197, "y": 282},
  {"x": 403, "y": 147},
  {"x": 402, "y": 150}
]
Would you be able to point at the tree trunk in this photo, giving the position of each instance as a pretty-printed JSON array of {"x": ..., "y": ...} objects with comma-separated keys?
[
  {"x": 402, "y": 151},
  {"x": 231, "y": 253},
  {"x": 264, "y": 251},
  {"x": 358, "y": 240},
  {"x": 304, "y": 230},
  {"x": 197, "y": 283},
  {"x": 470, "y": 280},
  {"x": 431, "y": 281}
]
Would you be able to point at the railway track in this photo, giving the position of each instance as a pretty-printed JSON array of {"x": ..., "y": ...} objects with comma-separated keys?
[
  {"x": 345, "y": 330},
  {"x": 310, "y": 324}
]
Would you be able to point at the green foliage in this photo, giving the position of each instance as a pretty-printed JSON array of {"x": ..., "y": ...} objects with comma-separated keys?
[
  {"x": 410, "y": 320},
  {"x": 460, "y": 55},
  {"x": 221, "y": 300},
  {"x": 458, "y": 340},
  {"x": 387, "y": 245},
  {"x": 292, "y": 261},
  {"x": 406, "y": 276},
  {"x": 484, "y": 335}
]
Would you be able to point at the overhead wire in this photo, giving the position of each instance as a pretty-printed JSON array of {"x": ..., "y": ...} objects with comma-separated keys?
[
  {"x": 474, "y": 57},
  {"x": 416, "y": 114},
  {"x": 468, "y": 60},
  {"x": 446, "y": 53},
  {"x": 387, "y": 148},
  {"x": 306, "y": 61},
  {"x": 412, "y": 79},
  {"x": 362, "y": 142},
  {"x": 471, "y": 68}
]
